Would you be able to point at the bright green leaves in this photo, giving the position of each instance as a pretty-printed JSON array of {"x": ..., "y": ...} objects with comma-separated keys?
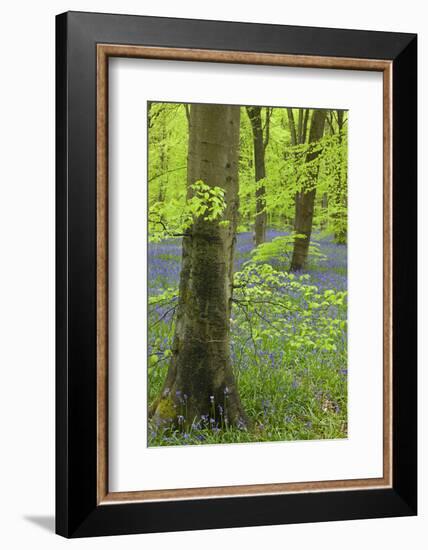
[
  {"x": 207, "y": 202},
  {"x": 287, "y": 168},
  {"x": 268, "y": 303},
  {"x": 166, "y": 297},
  {"x": 271, "y": 303},
  {"x": 175, "y": 217},
  {"x": 333, "y": 186},
  {"x": 280, "y": 250}
]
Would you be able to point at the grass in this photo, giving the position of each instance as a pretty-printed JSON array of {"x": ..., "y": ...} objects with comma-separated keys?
[{"x": 288, "y": 393}]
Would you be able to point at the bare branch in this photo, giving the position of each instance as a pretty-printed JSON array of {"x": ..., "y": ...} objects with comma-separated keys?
[
  {"x": 168, "y": 231},
  {"x": 162, "y": 317},
  {"x": 165, "y": 173}
]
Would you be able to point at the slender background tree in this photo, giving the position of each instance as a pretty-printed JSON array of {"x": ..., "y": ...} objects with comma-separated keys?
[
  {"x": 260, "y": 141},
  {"x": 305, "y": 199}
]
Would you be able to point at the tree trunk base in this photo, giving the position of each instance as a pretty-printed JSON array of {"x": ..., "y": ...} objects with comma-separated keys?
[{"x": 177, "y": 410}]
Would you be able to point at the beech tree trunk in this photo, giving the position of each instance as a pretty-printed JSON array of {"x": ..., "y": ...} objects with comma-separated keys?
[
  {"x": 260, "y": 143},
  {"x": 200, "y": 385},
  {"x": 305, "y": 199}
]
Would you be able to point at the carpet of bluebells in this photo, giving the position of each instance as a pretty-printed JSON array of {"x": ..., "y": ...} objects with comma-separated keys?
[{"x": 288, "y": 394}]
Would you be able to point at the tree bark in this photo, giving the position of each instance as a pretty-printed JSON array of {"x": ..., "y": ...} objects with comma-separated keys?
[
  {"x": 200, "y": 384},
  {"x": 260, "y": 144},
  {"x": 305, "y": 126},
  {"x": 305, "y": 200},
  {"x": 292, "y": 127}
]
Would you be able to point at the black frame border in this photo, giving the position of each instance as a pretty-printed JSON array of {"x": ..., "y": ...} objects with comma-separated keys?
[{"x": 77, "y": 512}]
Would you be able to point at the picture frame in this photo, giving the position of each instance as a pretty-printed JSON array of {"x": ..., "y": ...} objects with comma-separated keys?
[{"x": 84, "y": 44}]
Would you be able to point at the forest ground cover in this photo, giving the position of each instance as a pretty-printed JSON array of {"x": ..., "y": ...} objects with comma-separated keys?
[{"x": 287, "y": 392}]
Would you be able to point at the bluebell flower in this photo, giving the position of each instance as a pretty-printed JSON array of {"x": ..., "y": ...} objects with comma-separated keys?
[{"x": 241, "y": 424}]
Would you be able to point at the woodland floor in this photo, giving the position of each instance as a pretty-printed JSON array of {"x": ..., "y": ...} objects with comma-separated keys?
[{"x": 287, "y": 394}]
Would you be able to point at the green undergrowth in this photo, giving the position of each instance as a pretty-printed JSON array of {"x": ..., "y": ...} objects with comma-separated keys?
[{"x": 292, "y": 401}]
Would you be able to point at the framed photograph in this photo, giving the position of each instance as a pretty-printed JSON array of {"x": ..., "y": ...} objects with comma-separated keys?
[{"x": 236, "y": 274}]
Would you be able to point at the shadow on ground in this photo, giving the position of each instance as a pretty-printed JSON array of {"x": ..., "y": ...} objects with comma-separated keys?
[{"x": 45, "y": 522}]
